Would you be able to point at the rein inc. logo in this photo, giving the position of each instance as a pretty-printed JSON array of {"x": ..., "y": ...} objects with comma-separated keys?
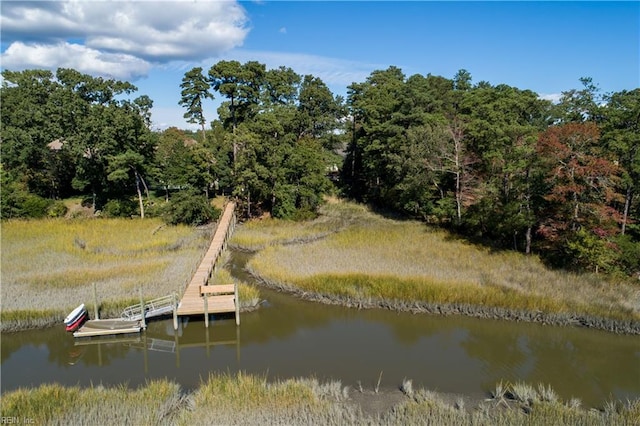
[{"x": 14, "y": 420}]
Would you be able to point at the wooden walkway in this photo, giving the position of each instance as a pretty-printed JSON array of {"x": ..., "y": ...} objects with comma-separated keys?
[{"x": 200, "y": 298}]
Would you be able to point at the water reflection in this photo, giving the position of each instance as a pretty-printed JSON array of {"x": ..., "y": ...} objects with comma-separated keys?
[{"x": 292, "y": 338}]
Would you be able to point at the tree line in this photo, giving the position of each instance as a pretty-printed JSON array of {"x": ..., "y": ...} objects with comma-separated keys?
[
  {"x": 502, "y": 166},
  {"x": 493, "y": 163}
]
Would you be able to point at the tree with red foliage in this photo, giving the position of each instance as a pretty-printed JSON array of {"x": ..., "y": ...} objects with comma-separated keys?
[{"x": 581, "y": 189}]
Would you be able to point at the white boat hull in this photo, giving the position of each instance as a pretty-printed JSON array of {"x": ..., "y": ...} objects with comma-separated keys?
[{"x": 75, "y": 314}]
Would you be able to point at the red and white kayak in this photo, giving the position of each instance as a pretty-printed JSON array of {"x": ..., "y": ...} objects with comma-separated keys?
[
  {"x": 78, "y": 322},
  {"x": 75, "y": 314}
]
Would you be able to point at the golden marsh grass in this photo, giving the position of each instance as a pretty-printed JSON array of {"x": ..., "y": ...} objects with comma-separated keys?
[
  {"x": 53, "y": 264},
  {"x": 258, "y": 234},
  {"x": 243, "y": 399},
  {"x": 375, "y": 257},
  {"x": 50, "y": 266}
]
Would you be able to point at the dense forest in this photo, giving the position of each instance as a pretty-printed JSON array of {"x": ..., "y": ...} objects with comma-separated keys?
[{"x": 496, "y": 164}]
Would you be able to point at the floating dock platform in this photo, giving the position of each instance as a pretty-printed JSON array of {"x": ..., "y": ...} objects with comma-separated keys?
[{"x": 108, "y": 327}]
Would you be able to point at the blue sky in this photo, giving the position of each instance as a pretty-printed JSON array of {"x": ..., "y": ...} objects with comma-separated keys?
[{"x": 542, "y": 46}]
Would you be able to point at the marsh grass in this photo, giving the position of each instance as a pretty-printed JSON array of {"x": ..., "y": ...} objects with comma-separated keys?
[
  {"x": 251, "y": 399},
  {"x": 52, "y": 265},
  {"x": 334, "y": 217},
  {"x": 374, "y": 257},
  {"x": 24, "y": 319},
  {"x": 154, "y": 403},
  {"x": 246, "y": 399}
]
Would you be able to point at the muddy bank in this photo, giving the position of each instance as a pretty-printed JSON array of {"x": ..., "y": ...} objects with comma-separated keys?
[{"x": 484, "y": 312}]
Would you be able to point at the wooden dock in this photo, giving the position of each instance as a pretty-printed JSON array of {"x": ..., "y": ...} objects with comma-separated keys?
[
  {"x": 107, "y": 327},
  {"x": 201, "y": 299}
]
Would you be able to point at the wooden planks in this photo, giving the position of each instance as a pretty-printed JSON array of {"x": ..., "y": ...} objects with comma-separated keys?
[
  {"x": 192, "y": 302},
  {"x": 215, "y": 305},
  {"x": 218, "y": 289},
  {"x": 107, "y": 327}
]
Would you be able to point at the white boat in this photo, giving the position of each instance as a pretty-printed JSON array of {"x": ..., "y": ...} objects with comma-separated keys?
[
  {"x": 75, "y": 314},
  {"x": 73, "y": 326}
]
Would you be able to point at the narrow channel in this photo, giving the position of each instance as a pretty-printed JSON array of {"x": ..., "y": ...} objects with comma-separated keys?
[{"x": 288, "y": 337}]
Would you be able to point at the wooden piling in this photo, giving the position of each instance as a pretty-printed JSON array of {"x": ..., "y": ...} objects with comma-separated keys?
[
  {"x": 206, "y": 310},
  {"x": 143, "y": 320},
  {"x": 95, "y": 302},
  {"x": 175, "y": 311},
  {"x": 237, "y": 302}
]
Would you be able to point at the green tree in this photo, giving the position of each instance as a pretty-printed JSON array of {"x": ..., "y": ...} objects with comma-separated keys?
[
  {"x": 621, "y": 136},
  {"x": 172, "y": 162},
  {"x": 503, "y": 123},
  {"x": 27, "y": 129},
  {"x": 241, "y": 84},
  {"x": 195, "y": 89},
  {"x": 580, "y": 105},
  {"x": 191, "y": 208},
  {"x": 122, "y": 166},
  {"x": 318, "y": 111},
  {"x": 374, "y": 147},
  {"x": 281, "y": 86}
]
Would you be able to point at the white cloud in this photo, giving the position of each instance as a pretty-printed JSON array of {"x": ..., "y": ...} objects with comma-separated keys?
[
  {"x": 138, "y": 32},
  {"x": 19, "y": 56},
  {"x": 164, "y": 117},
  {"x": 553, "y": 97},
  {"x": 283, "y": 30},
  {"x": 333, "y": 71}
]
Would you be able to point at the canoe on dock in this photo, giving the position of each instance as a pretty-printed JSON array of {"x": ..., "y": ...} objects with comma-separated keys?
[{"x": 107, "y": 327}]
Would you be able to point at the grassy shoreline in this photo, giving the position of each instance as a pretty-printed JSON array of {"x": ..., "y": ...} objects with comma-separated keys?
[
  {"x": 249, "y": 399},
  {"x": 368, "y": 261}
]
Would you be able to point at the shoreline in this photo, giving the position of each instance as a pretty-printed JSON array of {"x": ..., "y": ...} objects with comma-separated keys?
[
  {"x": 55, "y": 318},
  {"x": 616, "y": 326},
  {"x": 250, "y": 399},
  {"x": 31, "y": 319}
]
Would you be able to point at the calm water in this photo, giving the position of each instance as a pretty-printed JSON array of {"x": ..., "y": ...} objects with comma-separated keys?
[{"x": 287, "y": 337}]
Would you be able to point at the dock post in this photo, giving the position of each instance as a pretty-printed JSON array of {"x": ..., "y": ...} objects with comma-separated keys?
[
  {"x": 206, "y": 339},
  {"x": 143, "y": 320},
  {"x": 236, "y": 302},
  {"x": 146, "y": 354},
  {"x": 175, "y": 311},
  {"x": 238, "y": 344},
  {"x": 177, "y": 344},
  {"x": 95, "y": 301},
  {"x": 206, "y": 311}
]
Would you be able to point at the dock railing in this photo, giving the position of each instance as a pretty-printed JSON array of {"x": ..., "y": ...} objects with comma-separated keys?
[{"x": 153, "y": 308}]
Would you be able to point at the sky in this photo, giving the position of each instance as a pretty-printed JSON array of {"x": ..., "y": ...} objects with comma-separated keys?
[{"x": 542, "y": 46}]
